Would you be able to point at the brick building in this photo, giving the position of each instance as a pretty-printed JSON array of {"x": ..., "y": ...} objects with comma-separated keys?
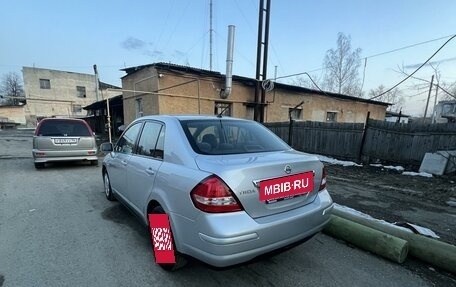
[{"x": 163, "y": 88}]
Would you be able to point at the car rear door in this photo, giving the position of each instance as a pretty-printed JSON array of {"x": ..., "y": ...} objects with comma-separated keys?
[
  {"x": 120, "y": 159},
  {"x": 144, "y": 164}
]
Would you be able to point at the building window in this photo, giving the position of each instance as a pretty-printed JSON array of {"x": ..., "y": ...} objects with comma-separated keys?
[
  {"x": 331, "y": 117},
  {"x": 139, "y": 108},
  {"x": 295, "y": 114},
  {"x": 81, "y": 91},
  {"x": 77, "y": 108},
  {"x": 45, "y": 84},
  {"x": 223, "y": 109}
]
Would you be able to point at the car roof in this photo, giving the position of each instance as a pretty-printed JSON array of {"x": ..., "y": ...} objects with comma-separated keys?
[
  {"x": 62, "y": 119},
  {"x": 190, "y": 117}
]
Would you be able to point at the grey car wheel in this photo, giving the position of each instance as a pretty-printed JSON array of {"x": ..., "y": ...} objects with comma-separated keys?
[
  {"x": 181, "y": 261},
  {"x": 107, "y": 187}
]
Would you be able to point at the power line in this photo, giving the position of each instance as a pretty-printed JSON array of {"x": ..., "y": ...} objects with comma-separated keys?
[
  {"x": 409, "y": 46},
  {"x": 372, "y": 56},
  {"x": 422, "y": 65}
]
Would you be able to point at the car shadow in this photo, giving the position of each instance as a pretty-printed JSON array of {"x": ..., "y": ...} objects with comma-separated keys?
[{"x": 68, "y": 165}]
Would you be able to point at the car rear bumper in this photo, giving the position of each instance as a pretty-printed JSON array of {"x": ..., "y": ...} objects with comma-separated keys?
[
  {"x": 41, "y": 156},
  {"x": 227, "y": 239}
]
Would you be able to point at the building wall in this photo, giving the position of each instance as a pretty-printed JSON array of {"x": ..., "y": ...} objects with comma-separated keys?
[
  {"x": 13, "y": 114},
  {"x": 61, "y": 98},
  {"x": 316, "y": 107},
  {"x": 185, "y": 93},
  {"x": 137, "y": 87},
  {"x": 176, "y": 93}
]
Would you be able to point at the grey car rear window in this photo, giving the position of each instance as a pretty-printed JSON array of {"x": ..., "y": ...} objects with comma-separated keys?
[
  {"x": 63, "y": 128},
  {"x": 220, "y": 137}
]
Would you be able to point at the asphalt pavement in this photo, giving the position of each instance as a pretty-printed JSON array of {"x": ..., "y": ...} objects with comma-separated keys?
[{"x": 57, "y": 229}]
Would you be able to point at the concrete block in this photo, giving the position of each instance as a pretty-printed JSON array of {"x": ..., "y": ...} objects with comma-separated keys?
[{"x": 434, "y": 163}]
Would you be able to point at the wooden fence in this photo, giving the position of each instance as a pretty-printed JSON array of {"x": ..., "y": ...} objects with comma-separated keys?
[
  {"x": 407, "y": 143},
  {"x": 404, "y": 144}
]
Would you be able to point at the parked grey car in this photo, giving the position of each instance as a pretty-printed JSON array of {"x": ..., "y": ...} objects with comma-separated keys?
[
  {"x": 61, "y": 139},
  {"x": 232, "y": 189}
]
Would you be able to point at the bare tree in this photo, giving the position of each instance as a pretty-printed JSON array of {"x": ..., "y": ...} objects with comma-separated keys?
[
  {"x": 305, "y": 81},
  {"x": 443, "y": 90},
  {"x": 342, "y": 68},
  {"x": 393, "y": 97},
  {"x": 11, "y": 88}
]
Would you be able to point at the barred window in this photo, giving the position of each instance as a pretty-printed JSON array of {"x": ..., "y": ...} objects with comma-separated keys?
[{"x": 223, "y": 109}]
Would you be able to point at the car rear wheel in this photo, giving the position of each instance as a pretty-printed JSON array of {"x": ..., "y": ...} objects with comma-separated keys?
[
  {"x": 107, "y": 187},
  {"x": 181, "y": 261},
  {"x": 39, "y": 165}
]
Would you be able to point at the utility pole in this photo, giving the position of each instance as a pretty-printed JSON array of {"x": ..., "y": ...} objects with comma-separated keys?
[
  {"x": 435, "y": 100},
  {"x": 262, "y": 59},
  {"x": 429, "y": 96}
]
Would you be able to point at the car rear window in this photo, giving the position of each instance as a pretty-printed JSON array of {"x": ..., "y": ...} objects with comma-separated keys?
[
  {"x": 221, "y": 137},
  {"x": 63, "y": 128}
]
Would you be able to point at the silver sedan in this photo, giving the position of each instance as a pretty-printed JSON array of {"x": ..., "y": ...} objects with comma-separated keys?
[{"x": 232, "y": 190}]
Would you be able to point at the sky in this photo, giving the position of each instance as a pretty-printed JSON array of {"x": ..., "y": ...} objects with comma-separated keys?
[{"x": 75, "y": 35}]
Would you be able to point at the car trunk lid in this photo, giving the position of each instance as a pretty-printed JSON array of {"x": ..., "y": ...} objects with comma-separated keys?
[{"x": 265, "y": 183}]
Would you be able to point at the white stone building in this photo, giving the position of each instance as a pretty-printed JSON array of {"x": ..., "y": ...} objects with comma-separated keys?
[{"x": 53, "y": 93}]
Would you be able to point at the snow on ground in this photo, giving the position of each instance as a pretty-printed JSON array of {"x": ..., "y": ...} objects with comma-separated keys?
[
  {"x": 419, "y": 229},
  {"x": 398, "y": 168},
  {"x": 336, "y": 161},
  {"x": 411, "y": 173},
  {"x": 350, "y": 163}
]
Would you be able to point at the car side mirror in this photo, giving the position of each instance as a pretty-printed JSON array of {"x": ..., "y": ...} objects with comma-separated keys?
[{"x": 106, "y": 147}]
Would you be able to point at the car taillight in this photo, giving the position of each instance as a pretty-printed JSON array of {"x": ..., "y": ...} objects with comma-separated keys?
[
  {"x": 323, "y": 180},
  {"x": 213, "y": 195}
]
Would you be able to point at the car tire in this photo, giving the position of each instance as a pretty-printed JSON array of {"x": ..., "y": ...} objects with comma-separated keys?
[
  {"x": 107, "y": 187},
  {"x": 94, "y": 162},
  {"x": 181, "y": 261},
  {"x": 39, "y": 165}
]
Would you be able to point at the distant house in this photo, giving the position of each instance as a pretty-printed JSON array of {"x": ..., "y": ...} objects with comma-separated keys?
[
  {"x": 12, "y": 116},
  {"x": 53, "y": 93},
  {"x": 445, "y": 112},
  {"x": 396, "y": 117},
  {"x": 164, "y": 88}
]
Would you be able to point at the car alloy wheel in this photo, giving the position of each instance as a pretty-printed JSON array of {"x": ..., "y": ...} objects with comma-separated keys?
[{"x": 107, "y": 187}]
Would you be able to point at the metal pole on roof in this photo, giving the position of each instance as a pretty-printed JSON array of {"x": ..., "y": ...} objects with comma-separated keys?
[
  {"x": 256, "y": 113},
  {"x": 262, "y": 59},
  {"x": 265, "y": 58},
  {"x": 96, "y": 81},
  {"x": 210, "y": 35}
]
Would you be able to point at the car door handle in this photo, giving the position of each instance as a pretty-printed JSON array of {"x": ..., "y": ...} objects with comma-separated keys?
[
  {"x": 123, "y": 162},
  {"x": 150, "y": 171}
]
